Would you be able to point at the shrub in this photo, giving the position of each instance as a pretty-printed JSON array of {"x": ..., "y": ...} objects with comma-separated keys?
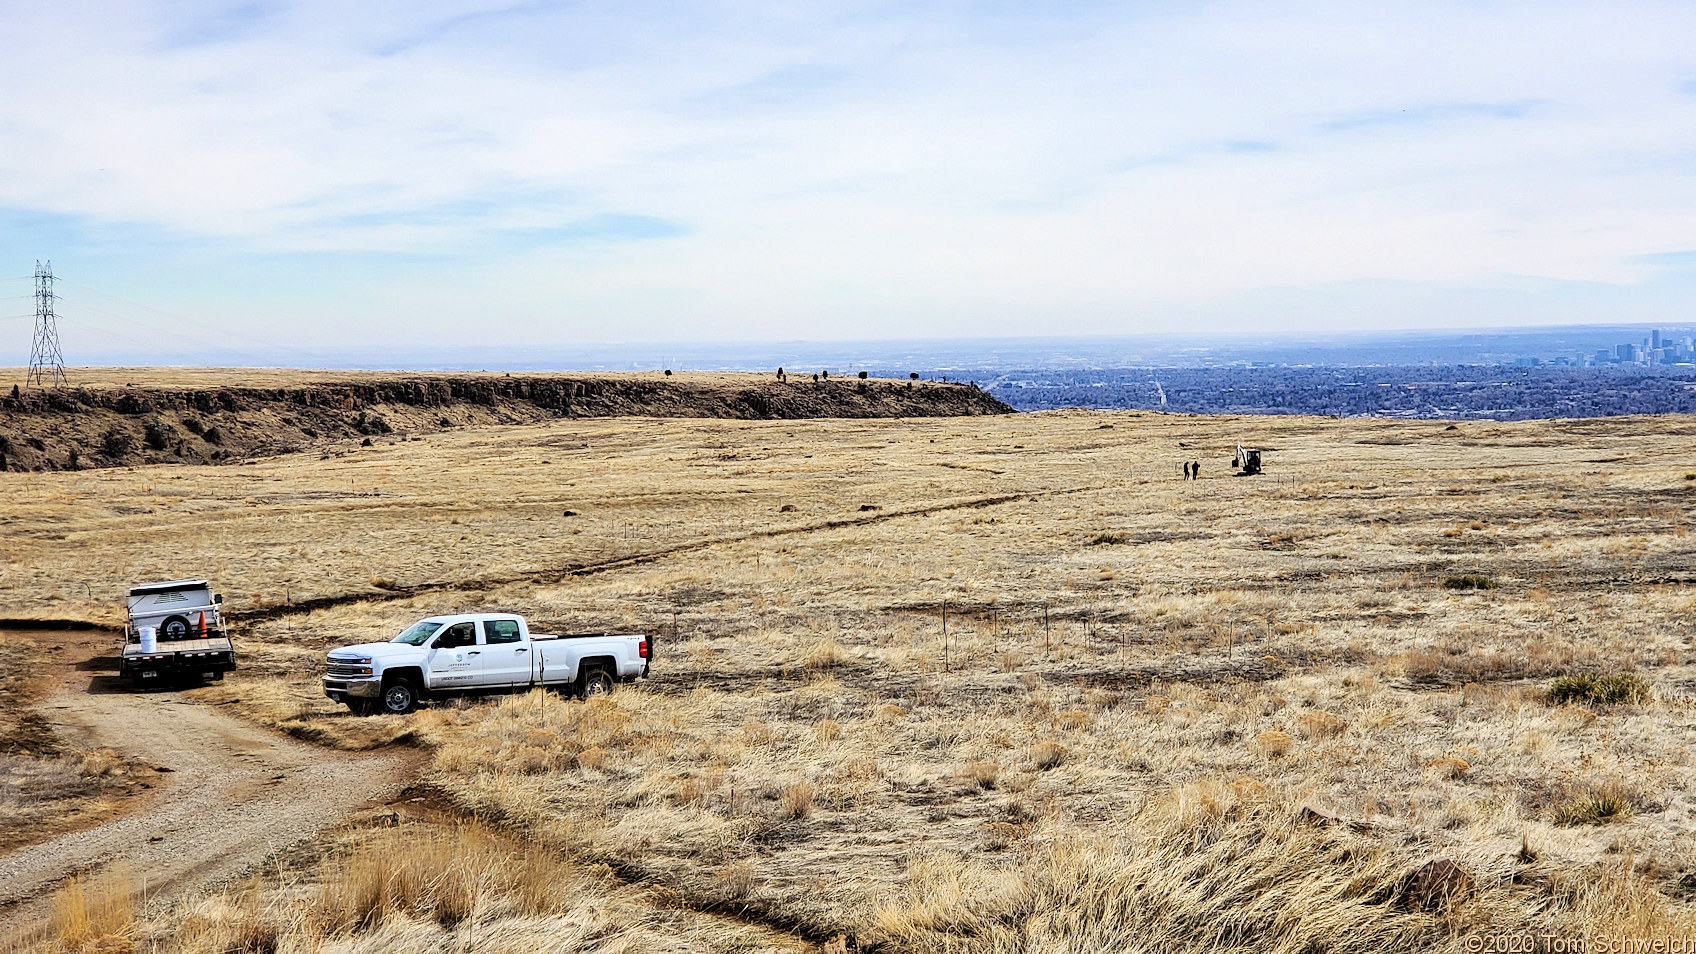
[
  {"x": 1107, "y": 538},
  {"x": 116, "y": 443},
  {"x": 983, "y": 774},
  {"x": 1469, "y": 581},
  {"x": 158, "y": 435},
  {"x": 1600, "y": 690},
  {"x": 193, "y": 426},
  {"x": 371, "y": 424},
  {"x": 592, "y": 757},
  {"x": 213, "y": 436},
  {"x": 1046, "y": 755},
  {"x": 1597, "y": 806},
  {"x": 1274, "y": 743}
]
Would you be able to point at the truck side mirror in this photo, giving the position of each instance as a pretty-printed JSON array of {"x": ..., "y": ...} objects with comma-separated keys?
[{"x": 217, "y": 597}]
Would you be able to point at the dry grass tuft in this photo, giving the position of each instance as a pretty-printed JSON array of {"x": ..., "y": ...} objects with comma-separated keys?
[
  {"x": 1274, "y": 743},
  {"x": 87, "y": 911},
  {"x": 828, "y": 730},
  {"x": 982, "y": 774},
  {"x": 825, "y": 655},
  {"x": 1046, "y": 755},
  {"x": 796, "y": 801},
  {"x": 1320, "y": 725},
  {"x": 1248, "y": 877},
  {"x": 1071, "y": 719},
  {"x": 1448, "y": 767}
]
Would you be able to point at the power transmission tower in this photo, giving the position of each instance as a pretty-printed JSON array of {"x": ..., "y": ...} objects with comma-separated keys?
[{"x": 46, "y": 364}]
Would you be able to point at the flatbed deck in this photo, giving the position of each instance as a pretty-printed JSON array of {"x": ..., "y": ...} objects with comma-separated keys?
[{"x": 209, "y": 644}]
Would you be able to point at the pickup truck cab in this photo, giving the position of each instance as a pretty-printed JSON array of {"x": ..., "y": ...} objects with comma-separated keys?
[{"x": 478, "y": 652}]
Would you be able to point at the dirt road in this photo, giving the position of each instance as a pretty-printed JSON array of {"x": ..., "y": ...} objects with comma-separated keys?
[{"x": 235, "y": 794}]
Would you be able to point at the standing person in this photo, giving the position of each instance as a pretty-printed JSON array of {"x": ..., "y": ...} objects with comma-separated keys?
[
  {"x": 1186, "y": 470},
  {"x": 1195, "y": 470}
]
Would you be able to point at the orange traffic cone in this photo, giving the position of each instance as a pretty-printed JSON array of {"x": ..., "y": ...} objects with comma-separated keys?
[{"x": 202, "y": 625}]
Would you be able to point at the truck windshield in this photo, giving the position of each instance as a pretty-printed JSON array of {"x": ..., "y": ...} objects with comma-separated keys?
[{"x": 417, "y": 633}]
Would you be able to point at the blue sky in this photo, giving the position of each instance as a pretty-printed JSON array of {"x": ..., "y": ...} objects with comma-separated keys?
[{"x": 329, "y": 174}]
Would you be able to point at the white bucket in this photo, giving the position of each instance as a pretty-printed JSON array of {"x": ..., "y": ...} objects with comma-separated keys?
[{"x": 149, "y": 639}]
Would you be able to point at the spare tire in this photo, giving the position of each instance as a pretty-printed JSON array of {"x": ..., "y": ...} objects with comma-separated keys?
[{"x": 175, "y": 627}]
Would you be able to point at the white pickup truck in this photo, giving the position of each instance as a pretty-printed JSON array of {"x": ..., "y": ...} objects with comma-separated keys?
[{"x": 478, "y": 652}]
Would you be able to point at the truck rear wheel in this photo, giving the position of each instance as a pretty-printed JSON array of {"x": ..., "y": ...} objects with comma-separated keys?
[
  {"x": 399, "y": 697},
  {"x": 596, "y": 682}
]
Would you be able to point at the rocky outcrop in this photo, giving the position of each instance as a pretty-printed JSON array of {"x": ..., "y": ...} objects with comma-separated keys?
[{"x": 103, "y": 427}]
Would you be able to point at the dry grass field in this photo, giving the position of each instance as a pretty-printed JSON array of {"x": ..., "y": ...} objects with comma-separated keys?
[{"x": 1419, "y": 682}]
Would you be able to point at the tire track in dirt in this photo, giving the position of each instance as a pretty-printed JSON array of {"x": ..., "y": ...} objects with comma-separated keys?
[
  {"x": 558, "y": 573},
  {"x": 237, "y": 794},
  {"x": 555, "y": 574}
]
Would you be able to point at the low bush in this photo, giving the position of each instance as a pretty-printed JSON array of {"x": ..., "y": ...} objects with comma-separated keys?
[
  {"x": 158, "y": 435},
  {"x": 116, "y": 443},
  {"x": 1597, "y": 806},
  {"x": 1469, "y": 581},
  {"x": 1600, "y": 690},
  {"x": 1108, "y": 538}
]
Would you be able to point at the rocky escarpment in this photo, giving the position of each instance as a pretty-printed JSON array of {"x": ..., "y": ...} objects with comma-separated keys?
[{"x": 77, "y": 428}]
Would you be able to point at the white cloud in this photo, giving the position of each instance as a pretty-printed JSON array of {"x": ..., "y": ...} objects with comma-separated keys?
[{"x": 863, "y": 170}]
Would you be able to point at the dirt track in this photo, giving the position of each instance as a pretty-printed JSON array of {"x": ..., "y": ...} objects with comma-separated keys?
[{"x": 235, "y": 795}]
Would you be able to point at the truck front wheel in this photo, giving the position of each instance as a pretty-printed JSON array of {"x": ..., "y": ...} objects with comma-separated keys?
[
  {"x": 399, "y": 697},
  {"x": 596, "y": 682}
]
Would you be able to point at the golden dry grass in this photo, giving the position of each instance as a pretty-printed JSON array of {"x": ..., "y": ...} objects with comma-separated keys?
[{"x": 1226, "y": 712}]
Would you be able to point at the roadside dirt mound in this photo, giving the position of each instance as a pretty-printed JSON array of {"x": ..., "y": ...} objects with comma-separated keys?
[{"x": 81, "y": 428}]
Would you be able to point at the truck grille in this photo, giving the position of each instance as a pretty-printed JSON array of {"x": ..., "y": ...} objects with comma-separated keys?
[{"x": 337, "y": 667}]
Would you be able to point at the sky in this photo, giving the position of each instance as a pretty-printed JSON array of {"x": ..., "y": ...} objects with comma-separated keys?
[{"x": 440, "y": 174}]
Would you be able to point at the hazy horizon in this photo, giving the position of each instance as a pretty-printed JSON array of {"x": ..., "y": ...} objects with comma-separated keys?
[{"x": 936, "y": 355}]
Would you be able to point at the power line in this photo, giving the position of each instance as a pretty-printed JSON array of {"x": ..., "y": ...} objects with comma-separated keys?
[
  {"x": 182, "y": 319},
  {"x": 46, "y": 363}
]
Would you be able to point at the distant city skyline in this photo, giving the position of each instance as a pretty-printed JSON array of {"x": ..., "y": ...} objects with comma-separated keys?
[{"x": 323, "y": 177}]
